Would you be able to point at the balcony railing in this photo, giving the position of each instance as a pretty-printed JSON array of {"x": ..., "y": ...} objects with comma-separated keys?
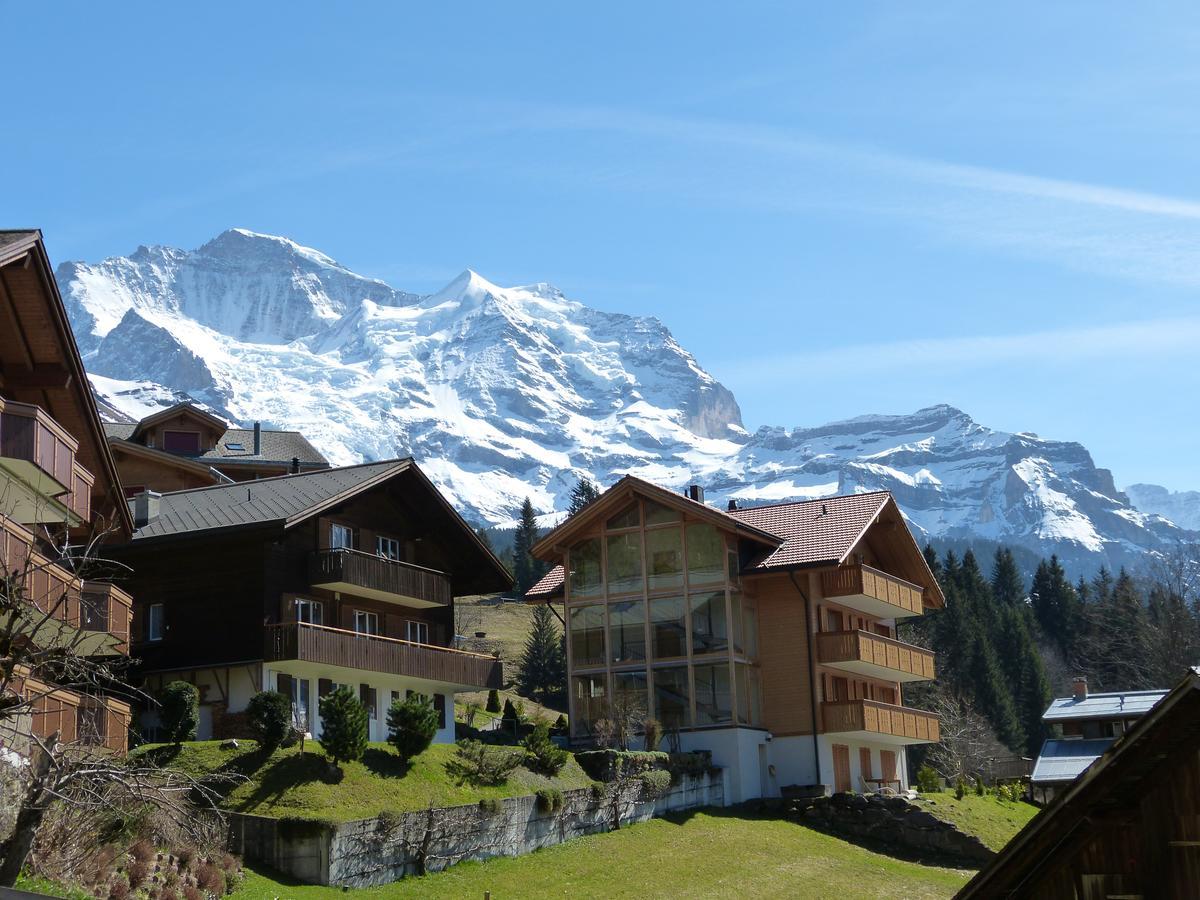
[
  {"x": 45, "y": 483},
  {"x": 108, "y": 609},
  {"x": 375, "y": 653},
  {"x": 874, "y": 655},
  {"x": 883, "y": 722},
  {"x": 378, "y": 577},
  {"x": 873, "y": 592}
]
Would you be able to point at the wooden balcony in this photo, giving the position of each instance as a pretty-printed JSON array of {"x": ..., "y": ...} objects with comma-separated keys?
[
  {"x": 875, "y": 593},
  {"x": 367, "y": 575},
  {"x": 108, "y": 609},
  {"x": 40, "y": 480},
  {"x": 375, "y": 653},
  {"x": 874, "y": 656},
  {"x": 868, "y": 720}
]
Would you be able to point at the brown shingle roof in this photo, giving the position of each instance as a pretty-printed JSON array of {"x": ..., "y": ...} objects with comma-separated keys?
[{"x": 814, "y": 532}]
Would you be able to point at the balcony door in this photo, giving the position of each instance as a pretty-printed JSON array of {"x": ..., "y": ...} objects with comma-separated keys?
[
  {"x": 841, "y": 767},
  {"x": 311, "y": 612},
  {"x": 341, "y": 537}
]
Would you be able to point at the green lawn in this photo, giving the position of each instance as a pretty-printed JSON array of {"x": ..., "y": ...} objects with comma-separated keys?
[
  {"x": 288, "y": 784},
  {"x": 993, "y": 821},
  {"x": 705, "y": 854}
]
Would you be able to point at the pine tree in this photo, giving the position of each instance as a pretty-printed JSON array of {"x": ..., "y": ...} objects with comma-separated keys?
[
  {"x": 1056, "y": 605},
  {"x": 493, "y": 701},
  {"x": 526, "y": 569},
  {"x": 582, "y": 494},
  {"x": 343, "y": 726},
  {"x": 485, "y": 538},
  {"x": 542, "y": 675},
  {"x": 1006, "y": 579}
]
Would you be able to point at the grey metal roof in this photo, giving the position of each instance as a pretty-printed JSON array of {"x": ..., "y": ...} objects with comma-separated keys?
[
  {"x": 120, "y": 430},
  {"x": 1117, "y": 705},
  {"x": 1065, "y": 760},
  {"x": 260, "y": 502},
  {"x": 276, "y": 446}
]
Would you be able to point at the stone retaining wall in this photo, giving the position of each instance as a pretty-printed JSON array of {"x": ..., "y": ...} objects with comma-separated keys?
[
  {"x": 892, "y": 821},
  {"x": 391, "y": 846}
]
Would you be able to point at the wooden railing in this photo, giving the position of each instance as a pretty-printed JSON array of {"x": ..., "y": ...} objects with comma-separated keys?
[
  {"x": 48, "y": 585},
  {"x": 28, "y": 433},
  {"x": 848, "y": 581},
  {"x": 376, "y": 653},
  {"x": 914, "y": 725},
  {"x": 377, "y": 573},
  {"x": 863, "y": 646},
  {"x": 76, "y": 718},
  {"x": 105, "y": 607}
]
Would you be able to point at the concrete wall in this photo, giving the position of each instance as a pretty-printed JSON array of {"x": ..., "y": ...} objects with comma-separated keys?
[
  {"x": 384, "y": 849},
  {"x": 737, "y": 751}
]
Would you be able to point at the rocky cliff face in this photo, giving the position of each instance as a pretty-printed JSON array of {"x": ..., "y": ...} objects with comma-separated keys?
[{"x": 503, "y": 393}]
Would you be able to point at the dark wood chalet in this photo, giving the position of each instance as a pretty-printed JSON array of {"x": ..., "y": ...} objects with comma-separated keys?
[{"x": 302, "y": 582}]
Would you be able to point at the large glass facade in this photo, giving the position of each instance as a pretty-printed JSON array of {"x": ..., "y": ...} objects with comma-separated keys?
[{"x": 655, "y": 608}]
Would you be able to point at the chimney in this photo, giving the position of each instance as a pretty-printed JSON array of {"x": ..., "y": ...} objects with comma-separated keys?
[
  {"x": 1079, "y": 687},
  {"x": 295, "y": 465},
  {"x": 257, "y": 438},
  {"x": 145, "y": 508},
  {"x": 732, "y": 505},
  {"x": 695, "y": 492}
]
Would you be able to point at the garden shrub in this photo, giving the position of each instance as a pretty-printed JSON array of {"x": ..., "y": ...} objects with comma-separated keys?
[
  {"x": 179, "y": 711},
  {"x": 979, "y": 789},
  {"x": 549, "y": 800},
  {"x": 655, "y": 783},
  {"x": 694, "y": 763},
  {"x": 560, "y": 724},
  {"x": 542, "y": 754},
  {"x": 928, "y": 781},
  {"x": 344, "y": 726},
  {"x": 653, "y": 731},
  {"x": 613, "y": 765},
  {"x": 412, "y": 723},
  {"x": 490, "y": 806},
  {"x": 269, "y": 715},
  {"x": 493, "y": 701},
  {"x": 960, "y": 788},
  {"x": 480, "y": 763},
  {"x": 137, "y": 872}
]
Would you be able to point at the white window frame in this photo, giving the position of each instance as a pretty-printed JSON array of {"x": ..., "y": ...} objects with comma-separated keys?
[
  {"x": 388, "y": 548},
  {"x": 371, "y": 619},
  {"x": 339, "y": 533},
  {"x": 416, "y": 632},
  {"x": 311, "y": 612},
  {"x": 155, "y": 621}
]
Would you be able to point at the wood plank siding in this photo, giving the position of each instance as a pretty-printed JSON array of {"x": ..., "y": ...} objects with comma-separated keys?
[
  {"x": 377, "y": 575},
  {"x": 862, "y": 651},
  {"x": 846, "y": 583},
  {"x": 912, "y": 725},
  {"x": 375, "y": 653}
]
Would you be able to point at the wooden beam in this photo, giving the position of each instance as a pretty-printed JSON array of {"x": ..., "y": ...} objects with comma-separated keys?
[{"x": 37, "y": 377}]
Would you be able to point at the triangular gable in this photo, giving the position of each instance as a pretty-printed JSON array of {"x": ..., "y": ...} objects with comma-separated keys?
[{"x": 186, "y": 410}]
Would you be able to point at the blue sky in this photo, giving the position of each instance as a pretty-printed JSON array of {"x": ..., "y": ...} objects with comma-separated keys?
[{"x": 839, "y": 208}]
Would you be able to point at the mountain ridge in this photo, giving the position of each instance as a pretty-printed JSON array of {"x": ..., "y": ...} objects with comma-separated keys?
[{"x": 507, "y": 392}]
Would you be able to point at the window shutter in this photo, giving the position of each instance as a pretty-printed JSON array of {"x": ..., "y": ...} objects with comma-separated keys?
[
  {"x": 283, "y": 684},
  {"x": 439, "y": 703},
  {"x": 324, "y": 686}
]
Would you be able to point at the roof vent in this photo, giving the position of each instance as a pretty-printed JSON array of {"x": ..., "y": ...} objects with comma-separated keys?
[
  {"x": 257, "y": 438},
  {"x": 295, "y": 465},
  {"x": 824, "y": 510},
  {"x": 695, "y": 492},
  {"x": 732, "y": 506},
  {"x": 1079, "y": 687},
  {"x": 145, "y": 508}
]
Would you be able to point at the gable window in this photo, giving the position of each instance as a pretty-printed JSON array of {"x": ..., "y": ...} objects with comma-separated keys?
[
  {"x": 187, "y": 442},
  {"x": 388, "y": 548},
  {"x": 154, "y": 622},
  {"x": 417, "y": 632},
  {"x": 309, "y": 611},
  {"x": 341, "y": 537},
  {"x": 366, "y": 622}
]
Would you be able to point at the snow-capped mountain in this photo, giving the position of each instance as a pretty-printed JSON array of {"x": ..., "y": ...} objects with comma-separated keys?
[
  {"x": 503, "y": 393},
  {"x": 1181, "y": 507}
]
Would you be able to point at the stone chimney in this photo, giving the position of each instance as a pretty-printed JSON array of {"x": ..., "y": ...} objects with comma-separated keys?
[
  {"x": 145, "y": 508},
  {"x": 695, "y": 492},
  {"x": 1079, "y": 687}
]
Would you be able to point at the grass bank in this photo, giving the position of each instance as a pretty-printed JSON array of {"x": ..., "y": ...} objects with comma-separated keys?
[
  {"x": 289, "y": 784},
  {"x": 702, "y": 854},
  {"x": 995, "y": 822}
]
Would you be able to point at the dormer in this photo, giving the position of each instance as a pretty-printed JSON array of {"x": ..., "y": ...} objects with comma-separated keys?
[{"x": 184, "y": 429}]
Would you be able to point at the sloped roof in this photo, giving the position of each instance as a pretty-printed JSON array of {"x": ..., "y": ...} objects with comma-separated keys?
[
  {"x": 281, "y": 499},
  {"x": 275, "y": 446},
  {"x": 814, "y": 532},
  {"x": 121, "y": 431},
  {"x": 1116, "y": 705},
  {"x": 1065, "y": 760},
  {"x": 548, "y": 585}
]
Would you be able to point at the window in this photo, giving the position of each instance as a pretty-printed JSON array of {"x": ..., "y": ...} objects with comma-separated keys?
[
  {"x": 388, "y": 548},
  {"x": 301, "y": 714},
  {"x": 587, "y": 635},
  {"x": 631, "y": 696},
  {"x": 588, "y": 692},
  {"x": 417, "y": 632},
  {"x": 664, "y": 559},
  {"x": 234, "y": 445},
  {"x": 585, "y": 569},
  {"x": 627, "y": 630},
  {"x": 341, "y": 537},
  {"x": 366, "y": 695},
  {"x": 627, "y": 518},
  {"x": 706, "y": 554},
  {"x": 709, "y": 632},
  {"x": 749, "y": 694},
  {"x": 625, "y": 563},
  {"x": 309, "y": 611},
  {"x": 657, "y": 514},
  {"x": 154, "y": 622},
  {"x": 671, "y": 706},
  {"x": 187, "y": 442},
  {"x": 714, "y": 699},
  {"x": 366, "y": 622},
  {"x": 668, "y": 623}
]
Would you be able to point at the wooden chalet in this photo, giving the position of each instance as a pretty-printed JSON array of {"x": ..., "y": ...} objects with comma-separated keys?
[
  {"x": 1128, "y": 827},
  {"x": 184, "y": 447},
  {"x": 299, "y": 583},
  {"x": 767, "y": 634},
  {"x": 58, "y": 490}
]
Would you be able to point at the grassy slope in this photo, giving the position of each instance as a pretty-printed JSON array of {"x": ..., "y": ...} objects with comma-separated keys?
[
  {"x": 992, "y": 821},
  {"x": 287, "y": 784},
  {"x": 705, "y": 854}
]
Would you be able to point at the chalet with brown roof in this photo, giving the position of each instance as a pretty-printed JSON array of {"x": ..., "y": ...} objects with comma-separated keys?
[
  {"x": 300, "y": 583},
  {"x": 58, "y": 490},
  {"x": 766, "y": 635},
  {"x": 184, "y": 447}
]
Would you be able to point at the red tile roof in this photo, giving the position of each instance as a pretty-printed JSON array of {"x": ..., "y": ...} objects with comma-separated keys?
[
  {"x": 814, "y": 532},
  {"x": 550, "y": 584}
]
